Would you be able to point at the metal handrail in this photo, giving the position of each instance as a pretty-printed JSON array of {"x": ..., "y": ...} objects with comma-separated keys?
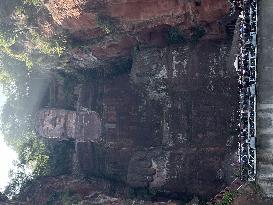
[{"x": 248, "y": 64}]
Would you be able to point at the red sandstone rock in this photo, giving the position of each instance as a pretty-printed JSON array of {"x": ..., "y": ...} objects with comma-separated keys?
[
  {"x": 71, "y": 14},
  {"x": 134, "y": 21},
  {"x": 114, "y": 48}
]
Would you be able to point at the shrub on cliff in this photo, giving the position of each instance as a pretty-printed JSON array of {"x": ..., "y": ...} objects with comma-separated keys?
[
  {"x": 175, "y": 36},
  {"x": 197, "y": 32},
  {"x": 227, "y": 199},
  {"x": 106, "y": 23},
  {"x": 20, "y": 37},
  {"x": 33, "y": 2}
]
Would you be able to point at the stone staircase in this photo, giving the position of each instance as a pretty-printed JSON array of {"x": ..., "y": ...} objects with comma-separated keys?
[
  {"x": 234, "y": 186},
  {"x": 265, "y": 154}
]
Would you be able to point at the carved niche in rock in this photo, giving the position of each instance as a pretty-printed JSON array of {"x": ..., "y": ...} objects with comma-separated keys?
[
  {"x": 165, "y": 126},
  {"x": 67, "y": 124}
]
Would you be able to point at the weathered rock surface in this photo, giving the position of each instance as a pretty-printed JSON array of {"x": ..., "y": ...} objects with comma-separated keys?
[
  {"x": 169, "y": 125},
  {"x": 251, "y": 194},
  {"x": 110, "y": 30},
  {"x": 67, "y": 190},
  {"x": 65, "y": 124},
  {"x": 84, "y": 18}
]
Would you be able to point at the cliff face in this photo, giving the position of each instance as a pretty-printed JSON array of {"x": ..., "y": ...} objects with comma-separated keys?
[
  {"x": 110, "y": 30},
  {"x": 68, "y": 190},
  {"x": 167, "y": 125},
  {"x": 84, "y": 18}
]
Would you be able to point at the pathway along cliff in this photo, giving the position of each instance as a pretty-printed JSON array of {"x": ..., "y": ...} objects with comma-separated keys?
[{"x": 265, "y": 98}]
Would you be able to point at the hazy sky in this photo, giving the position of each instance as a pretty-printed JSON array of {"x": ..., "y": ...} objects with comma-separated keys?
[{"x": 7, "y": 155}]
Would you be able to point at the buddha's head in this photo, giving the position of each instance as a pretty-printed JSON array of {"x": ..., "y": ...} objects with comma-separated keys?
[
  {"x": 64, "y": 124},
  {"x": 56, "y": 123}
]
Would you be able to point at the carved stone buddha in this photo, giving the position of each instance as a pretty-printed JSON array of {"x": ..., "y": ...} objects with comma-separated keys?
[
  {"x": 65, "y": 124},
  {"x": 164, "y": 126}
]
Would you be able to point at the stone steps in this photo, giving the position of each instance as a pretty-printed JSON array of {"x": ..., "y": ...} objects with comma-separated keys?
[
  {"x": 265, "y": 169},
  {"x": 265, "y": 158},
  {"x": 267, "y": 186},
  {"x": 266, "y": 142},
  {"x": 235, "y": 185}
]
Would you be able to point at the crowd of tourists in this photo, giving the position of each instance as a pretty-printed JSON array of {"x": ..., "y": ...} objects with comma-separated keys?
[{"x": 246, "y": 68}]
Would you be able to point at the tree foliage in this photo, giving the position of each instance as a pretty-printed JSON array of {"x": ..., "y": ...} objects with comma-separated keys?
[
  {"x": 34, "y": 154},
  {"x": 19, "y": 178},
  {"x": 228, "y": 198},
  {"x": 25, "y": 58},
  {"x": 33, "y": 161},
  {"x": 33, "y": 2},
  {"x": 39, "y": 158}
]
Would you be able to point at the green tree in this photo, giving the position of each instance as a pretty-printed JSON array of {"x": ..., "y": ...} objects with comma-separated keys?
[
  {"x": 26, "y": 57},
  {"x": 228, "y": 198},
  {"x": 37, "y": 158},
  {"x": 19, "y": 178}
]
